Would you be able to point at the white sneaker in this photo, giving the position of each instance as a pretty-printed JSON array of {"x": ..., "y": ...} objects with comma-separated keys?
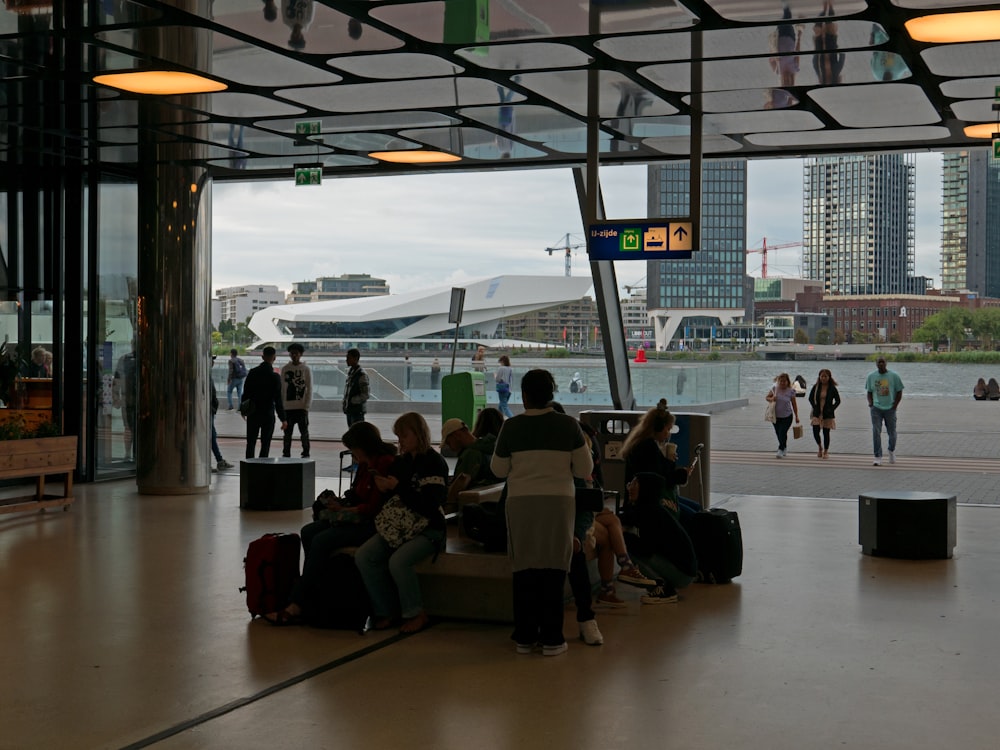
[
  {"x": 877, "y": 461},
  {"x": 589, "y": 633},
  {"x": 892, "y": 457},
  {"x": 562, "y": 648},
  {"x": 779, "y": 454},
  {"x": 525, "y": 648}
]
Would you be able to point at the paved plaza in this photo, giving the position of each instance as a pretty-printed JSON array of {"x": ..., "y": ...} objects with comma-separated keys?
[{"x": 944, "y": 445}]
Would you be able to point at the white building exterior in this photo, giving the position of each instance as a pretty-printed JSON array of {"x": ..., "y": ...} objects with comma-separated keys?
[
  {"x": 418, "y": 318},
  {"x": 237, "y": 303}
]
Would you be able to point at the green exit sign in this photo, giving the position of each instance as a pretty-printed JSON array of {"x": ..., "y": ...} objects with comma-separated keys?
[
  {"x": 996, "y": 149},
  {"x": 309, "y": 127},
  {"x": 996, "y": 92},
  {"x": 308, "y": 176}
]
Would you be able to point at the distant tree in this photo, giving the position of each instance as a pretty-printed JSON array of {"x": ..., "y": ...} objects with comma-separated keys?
[
  {"x": 838, "y": 336},
  {"x": 895, "y": 338},
  {"x": 823, "y": 336},
  {"x": 800, "y": 336},
  {"x": 985, "y": 325},
  {"x": 951, "y": 323}
]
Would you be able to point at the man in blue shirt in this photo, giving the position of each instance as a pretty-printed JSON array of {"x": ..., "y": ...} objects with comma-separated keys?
[{"x": 885, "y": 391}]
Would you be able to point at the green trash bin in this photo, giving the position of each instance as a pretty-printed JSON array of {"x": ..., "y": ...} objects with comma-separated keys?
[{"x": 463, "y": 396}]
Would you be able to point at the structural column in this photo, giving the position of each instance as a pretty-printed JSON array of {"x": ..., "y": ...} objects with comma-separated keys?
[{"x": 173, "y": 307}]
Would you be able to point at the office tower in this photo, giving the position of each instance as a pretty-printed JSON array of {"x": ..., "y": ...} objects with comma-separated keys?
[
  {"x": 858, "y": 223},
  {"x": 708, "y": 289},
  {"x": 970, "y": 222}
]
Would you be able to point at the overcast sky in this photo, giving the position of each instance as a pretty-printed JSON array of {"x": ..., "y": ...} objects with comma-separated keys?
[{"x": 427, "y": 231}]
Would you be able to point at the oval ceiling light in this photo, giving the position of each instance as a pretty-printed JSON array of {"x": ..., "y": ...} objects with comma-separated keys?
[
  {"x": 983, "y": 130},
  {"x": 419, "y": 156},
  {"x": 944, "y": 28},
  {"x": 160, "y": 82}
]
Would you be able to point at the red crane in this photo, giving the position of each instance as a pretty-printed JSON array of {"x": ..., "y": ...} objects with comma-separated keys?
[{"x": 764, "y": 247}]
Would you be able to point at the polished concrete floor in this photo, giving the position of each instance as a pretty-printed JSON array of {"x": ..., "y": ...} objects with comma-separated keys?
[{"x": 123, "y": 627}]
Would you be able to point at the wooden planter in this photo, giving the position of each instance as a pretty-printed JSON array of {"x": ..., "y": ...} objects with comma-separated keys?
[{"x": 38, "y": 458}]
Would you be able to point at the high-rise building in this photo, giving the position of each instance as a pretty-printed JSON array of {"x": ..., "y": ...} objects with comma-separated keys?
[
  {"x": 237, "y": 304},
  {"x": 970, "y": 222},
  {"x": 858, "y": 223},
  {"x": 687, "y": 298},
  {"x": 345, "y": 286}
]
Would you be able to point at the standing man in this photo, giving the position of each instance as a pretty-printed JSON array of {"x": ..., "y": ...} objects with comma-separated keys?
[
  {"x": 263, "y": 392},
  {"x": 355, "y": 389},
  {"x": 234, "y": 380},
  {"x": 296, "y": 394},
  {"x": 220, "y": 462},
  {"x": 124, "y": 396},
  {"x": 885, "y": 391}
]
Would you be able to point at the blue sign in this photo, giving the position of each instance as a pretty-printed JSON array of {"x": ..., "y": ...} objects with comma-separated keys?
[{"x": 640, "y": 239}]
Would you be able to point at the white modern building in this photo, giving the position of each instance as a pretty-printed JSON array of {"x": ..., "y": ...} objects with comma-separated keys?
[
  {"x": 417, "y": 320},
  {"x": 237, "y": 303}
]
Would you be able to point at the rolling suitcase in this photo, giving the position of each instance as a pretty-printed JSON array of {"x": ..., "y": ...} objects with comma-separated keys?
[
  {"x": 342, "y": 599},
  {"x": 271, "y": 568},
  {"x": 718, "y": 544}
]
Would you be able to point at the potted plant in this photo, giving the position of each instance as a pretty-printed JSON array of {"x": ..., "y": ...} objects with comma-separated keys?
[{"x": 35, "y": 453}]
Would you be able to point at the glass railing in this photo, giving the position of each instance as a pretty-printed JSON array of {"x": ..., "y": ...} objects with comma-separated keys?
[{"x": 391, "y": 379}]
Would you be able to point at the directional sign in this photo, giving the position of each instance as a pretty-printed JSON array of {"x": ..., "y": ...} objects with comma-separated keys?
[
  {"x": 309, "y": 127},
  {"x": 640, "y": 239},
  {"x": 996, "y": 149},
  {"x": 308, "y": 176}
]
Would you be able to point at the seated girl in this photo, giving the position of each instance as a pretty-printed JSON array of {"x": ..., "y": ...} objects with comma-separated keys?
[
  {"x": 419, "y": 479},
  {"x": 660, "y": 546}
]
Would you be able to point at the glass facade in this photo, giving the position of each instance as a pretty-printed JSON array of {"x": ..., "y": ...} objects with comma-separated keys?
[
  {"x": 713, "y": 279},
  {"x": 970, "y": 222},
  {"x": 858, "y": 223}
]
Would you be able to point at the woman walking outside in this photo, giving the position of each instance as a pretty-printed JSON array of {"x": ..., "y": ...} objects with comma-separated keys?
[
  {"x": 505, "y": 378},
  {"x": 783, "y": 396},
  {"x": 824, "y": 398},
  {"x": 540, "y": 452}
]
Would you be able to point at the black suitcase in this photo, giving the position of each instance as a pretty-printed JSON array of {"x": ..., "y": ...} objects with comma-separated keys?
[
  {"x": 718, "y": 543},
  {"x": 341, "y": 600}
]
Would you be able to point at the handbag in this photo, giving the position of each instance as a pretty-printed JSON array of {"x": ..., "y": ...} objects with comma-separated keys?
[
  {"x": 397, "y": 524},
  {"x": 770, "y": 415},
  {"x": 796, "y": 431},
  {"x": 589, "y": 499}
]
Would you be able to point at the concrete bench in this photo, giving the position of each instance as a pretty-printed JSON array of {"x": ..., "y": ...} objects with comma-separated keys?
[
  {"x": 467, "y": 583},
  {"x": 910, "y": 525},
  {"x": 486, "y": 493},
  {"x": 277, "y": 483}
]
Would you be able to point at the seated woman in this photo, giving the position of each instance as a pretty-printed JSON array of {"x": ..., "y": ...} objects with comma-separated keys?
[
  {"x": 993, "y": 390},
  {"x": 660, "y": 545},
  {"x": 419, "y": 479},
  {"x": 648, "y": 448},
  {"x": 346, "y": 522},
  {"x": 980, "y": 392}
]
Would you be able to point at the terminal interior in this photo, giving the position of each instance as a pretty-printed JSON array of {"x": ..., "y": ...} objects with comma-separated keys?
[{"x": 124, "y": 627}]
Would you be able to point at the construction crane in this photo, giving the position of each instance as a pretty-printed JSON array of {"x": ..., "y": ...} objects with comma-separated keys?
[
  {"x": 764, "y": 247},
  {"x": 639, "y": 286},
  {"x": 568, "y": 248}
]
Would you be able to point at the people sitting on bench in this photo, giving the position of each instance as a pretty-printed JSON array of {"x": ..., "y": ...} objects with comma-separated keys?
[
  {"x": 410, "y": 527},
  {"x": 659, "y": 544},
  {"x": 343, "y": 522}
]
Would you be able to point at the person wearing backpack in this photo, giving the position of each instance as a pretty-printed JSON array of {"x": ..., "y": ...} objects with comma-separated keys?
[{"x": 234, "y": 381}]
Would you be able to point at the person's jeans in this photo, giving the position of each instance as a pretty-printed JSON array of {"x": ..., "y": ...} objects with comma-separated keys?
[
  {"x": 579, "y": 583},
  {"x": 888, "y": 416},
  {"x": 354, "y": 415},
  {"x": 504, "y": 397},
  {"x": 264, "y": 425},
  {"x": 236, "y": 384},
  {"x": 294, "y": 417},
  {"x": 389, "y": 573},
  {"x": 781, "y": 426},
  {"x": 215, "y": 442}
]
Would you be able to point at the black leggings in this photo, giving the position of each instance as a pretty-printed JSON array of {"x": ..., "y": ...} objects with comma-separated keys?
[{"x": 826, "y": 436}]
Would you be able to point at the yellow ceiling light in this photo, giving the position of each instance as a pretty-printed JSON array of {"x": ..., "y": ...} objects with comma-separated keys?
[
  {"x": 983, "y": 130},
  {"x": 160, "y": 82},
  {"x": 976, "y": 26},
  {"x": 417, "y": 156}
]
